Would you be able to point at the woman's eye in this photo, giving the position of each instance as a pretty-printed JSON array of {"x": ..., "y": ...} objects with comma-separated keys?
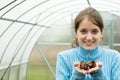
[
  {"x": 83, "y": 31},
  {"x": 94, "y": 31}
]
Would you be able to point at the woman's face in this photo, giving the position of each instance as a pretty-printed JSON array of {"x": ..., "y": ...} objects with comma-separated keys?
[{"x": 88, "y": 34}]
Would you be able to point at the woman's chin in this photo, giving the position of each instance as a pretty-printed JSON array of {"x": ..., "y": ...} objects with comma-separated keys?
[{"x": 89, "y": 48}]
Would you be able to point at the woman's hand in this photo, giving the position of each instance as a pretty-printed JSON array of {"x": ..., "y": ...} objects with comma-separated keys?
[
  {"x": 95, "y": 69},
  {"x": 77, "y": 67},
  {"x": 82, "y": 71}
]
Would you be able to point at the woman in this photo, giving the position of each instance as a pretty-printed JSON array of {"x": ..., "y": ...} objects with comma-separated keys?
[{"x": 88, "y": 35}]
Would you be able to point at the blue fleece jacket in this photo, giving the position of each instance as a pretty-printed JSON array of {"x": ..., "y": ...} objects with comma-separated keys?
[{"x": 110, "y": 59}]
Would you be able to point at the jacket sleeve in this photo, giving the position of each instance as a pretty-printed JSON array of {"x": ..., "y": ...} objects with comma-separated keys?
[
  {"x": 63, "y": 70},
  {"x": 77, "y": 76},
  {"x": 98, "y": 75},
  {"x": 116, "y": 68}
]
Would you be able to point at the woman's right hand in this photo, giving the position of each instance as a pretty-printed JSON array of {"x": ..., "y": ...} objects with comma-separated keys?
[{"x": 77, "y": 67}]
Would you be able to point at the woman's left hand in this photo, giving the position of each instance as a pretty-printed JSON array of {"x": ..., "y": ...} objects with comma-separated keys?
[{"x": 95, "y": 69}]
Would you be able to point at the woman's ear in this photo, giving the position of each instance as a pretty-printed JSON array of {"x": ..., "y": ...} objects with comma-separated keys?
[{"x": 75, "y": 34}]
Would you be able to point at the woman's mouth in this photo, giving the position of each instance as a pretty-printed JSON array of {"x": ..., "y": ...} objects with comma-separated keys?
[{"x": 89, "y": 42}]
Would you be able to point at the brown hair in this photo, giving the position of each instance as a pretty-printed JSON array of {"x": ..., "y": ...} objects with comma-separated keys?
[{"x": 93, "y": 15}]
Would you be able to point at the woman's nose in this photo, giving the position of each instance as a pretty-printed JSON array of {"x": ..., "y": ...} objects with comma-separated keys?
[{"x": 89, "y": 36}]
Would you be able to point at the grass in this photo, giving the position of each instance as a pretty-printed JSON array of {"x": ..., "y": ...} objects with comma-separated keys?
[{"x": 39, "y": 73}]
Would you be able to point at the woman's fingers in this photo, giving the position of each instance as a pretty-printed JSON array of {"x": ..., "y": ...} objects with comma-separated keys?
[
  {"x": 82, "y": 71},
  {"x": 76, "y": 64},
  {"x": 97, "y": 68},
  {"x": 99, "y": 64},
  {"x": 77, "y": 67}
]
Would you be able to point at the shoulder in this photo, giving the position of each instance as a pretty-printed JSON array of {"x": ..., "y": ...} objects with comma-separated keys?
[
  {"x": 68, "y": 52},
  {"x": 111, "y": 52}
]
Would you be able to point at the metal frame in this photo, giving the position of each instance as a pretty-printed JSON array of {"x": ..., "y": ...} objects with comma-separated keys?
[{"x": 47, "y": 27}]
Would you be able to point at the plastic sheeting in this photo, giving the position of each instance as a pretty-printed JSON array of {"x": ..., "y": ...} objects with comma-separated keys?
[{"x": 22, "y": 22}]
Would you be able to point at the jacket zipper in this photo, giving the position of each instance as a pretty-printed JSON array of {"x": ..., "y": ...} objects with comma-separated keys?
[{"x": 88, "y": 55}]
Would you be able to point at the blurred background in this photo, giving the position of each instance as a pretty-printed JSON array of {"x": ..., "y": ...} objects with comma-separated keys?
[{"x": 33, "y": 32}]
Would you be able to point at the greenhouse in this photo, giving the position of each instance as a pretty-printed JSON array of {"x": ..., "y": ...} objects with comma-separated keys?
[{"x": 33, "y": 32}]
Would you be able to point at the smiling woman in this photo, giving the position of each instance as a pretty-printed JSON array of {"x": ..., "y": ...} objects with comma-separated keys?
[
  {"x": 88, "y": 35},
  {"x": 48, "y": 25}
]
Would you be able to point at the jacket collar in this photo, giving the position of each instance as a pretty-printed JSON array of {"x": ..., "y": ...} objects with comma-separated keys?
[{"x": 89, "y": 55}]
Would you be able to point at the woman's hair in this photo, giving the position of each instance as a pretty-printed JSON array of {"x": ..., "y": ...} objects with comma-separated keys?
[{"x": 93, "y": 15}]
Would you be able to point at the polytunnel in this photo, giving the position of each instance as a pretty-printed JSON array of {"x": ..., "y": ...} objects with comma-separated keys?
[{"x": 31, "y": 29}]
